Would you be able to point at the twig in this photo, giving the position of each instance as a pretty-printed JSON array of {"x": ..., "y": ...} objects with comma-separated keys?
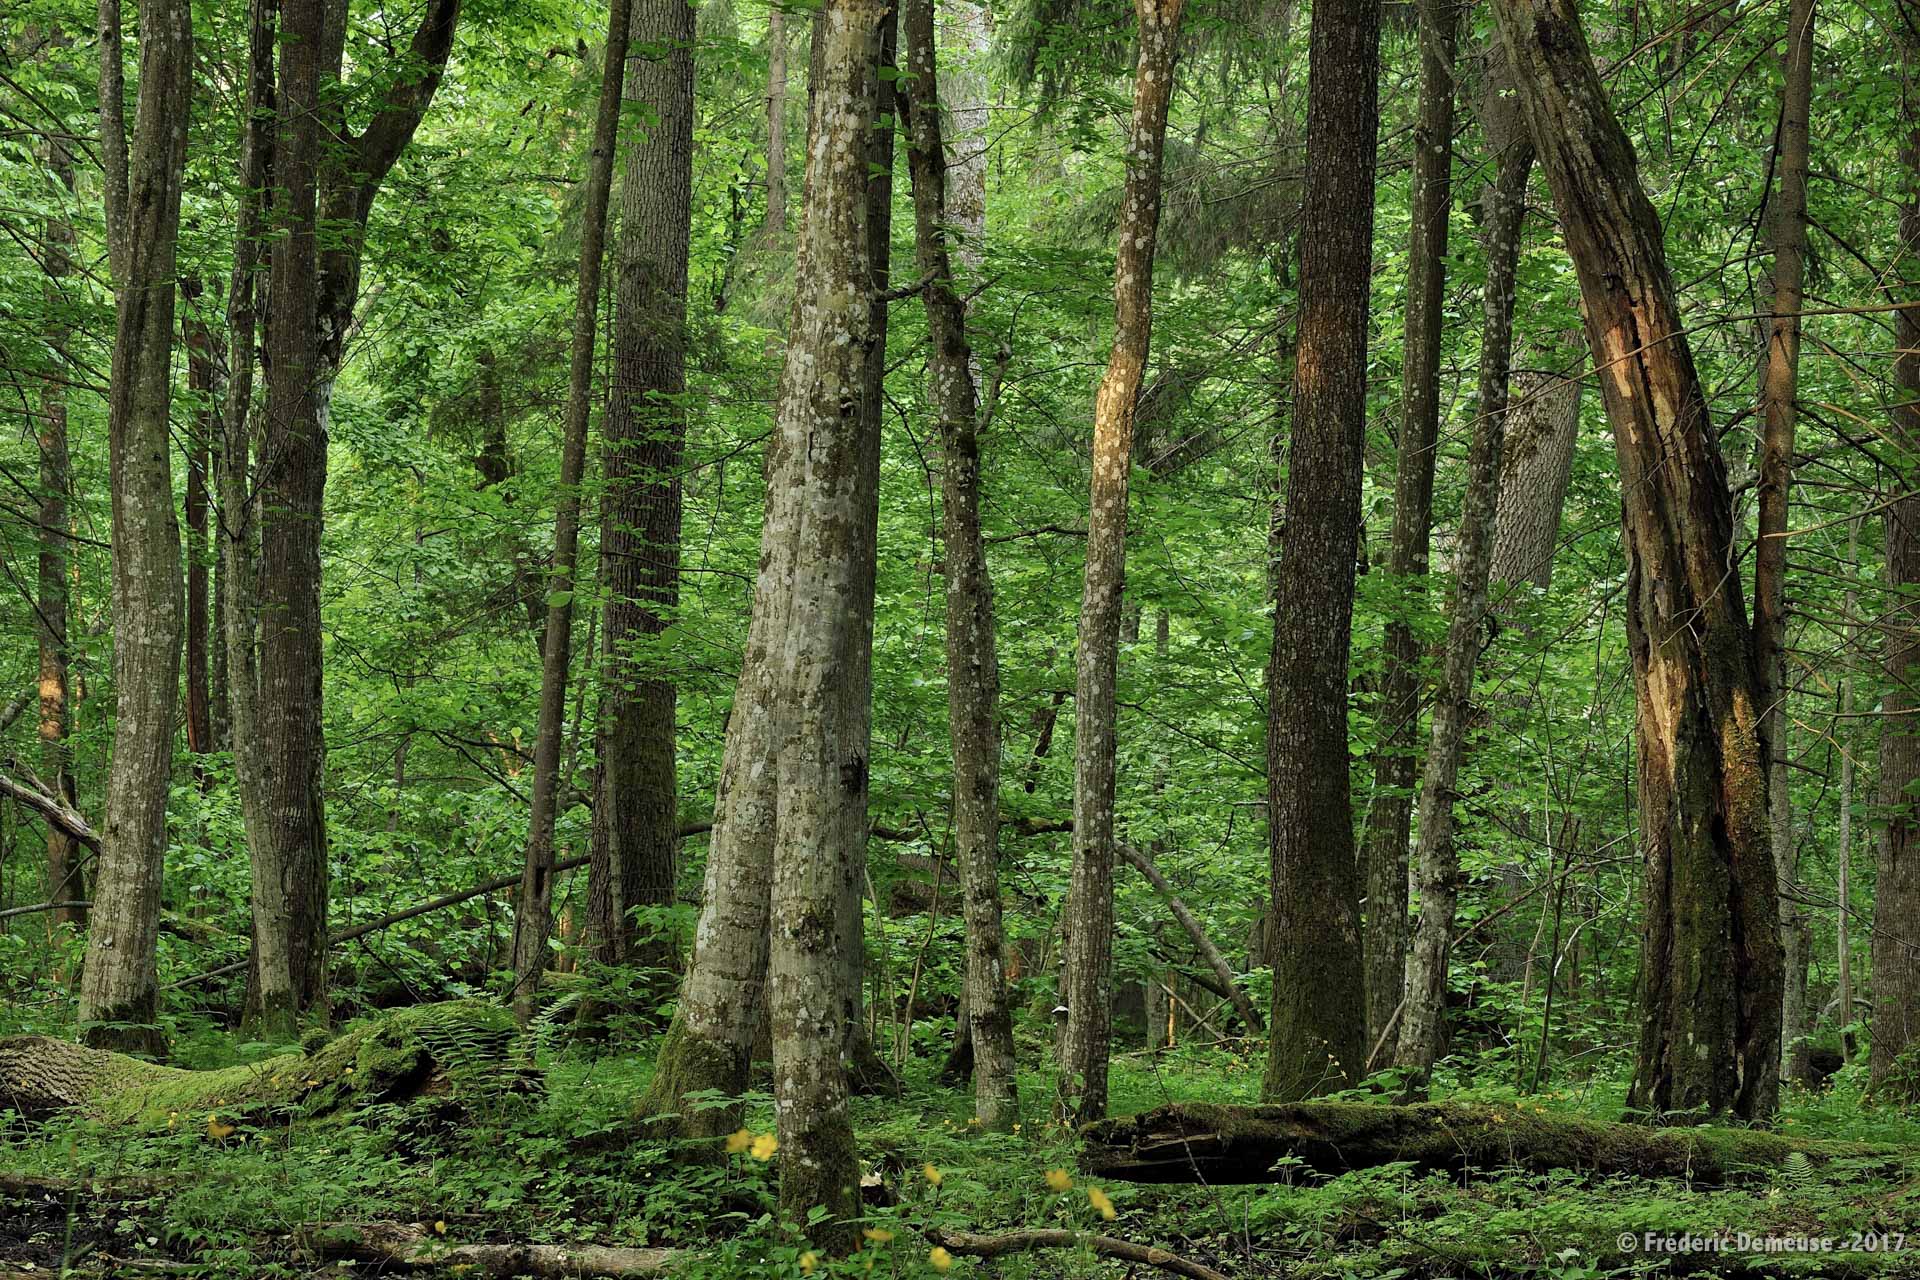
[{"x": 979, "y": 1246}]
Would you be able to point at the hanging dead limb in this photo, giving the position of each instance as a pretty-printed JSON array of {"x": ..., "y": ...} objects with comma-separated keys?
[
  {"x": 33, "y": 908},
  {"x": 408, "y": 1246},
  {"x": 1199, "y": 1142},
  {"x": 979, "y": 1246},
  {"x": 1222, "y": 971},
  {"x": 50, "y": 807}
]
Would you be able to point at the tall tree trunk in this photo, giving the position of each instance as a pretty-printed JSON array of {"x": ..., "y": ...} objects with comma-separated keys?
[
  {"x": 776, "y": 219},
  {"x": 1422, "y": 1025},
  {"x": 532, "y": 920},
  {"x": 973, "y": 664},
  {"x": 1711, "y": 968},
  {"x": 1896, "y": 891},
  {"x": 1779, "y": 384},
  {"x": 642, "y": 451},
  {"x": 325, "y": 181},
  {"x": 203, "y": 382},
  {"x": 1543, "y": 425},
  {"x": 1384, "y": 843},
  {"x": 1319, "y": 1015},
  {"x": 964, "y": 90},
  {"x": 1088, "y": 923},
  {"x": 1843, "y": 887},
  {"x": 822, "y": 694},
  {"x": 65, "y": 881},
  {"x": 118, "y": 989}
]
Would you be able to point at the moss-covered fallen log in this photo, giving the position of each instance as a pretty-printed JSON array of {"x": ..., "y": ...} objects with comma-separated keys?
[
  {"x": 407, "y": 1246},
  {"x": 1200, "y": 1142},
  {"x": 449, "y": 1049}
]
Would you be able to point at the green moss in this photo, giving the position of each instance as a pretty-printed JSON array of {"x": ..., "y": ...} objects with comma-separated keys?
[{"x": 691, "y": 1065}]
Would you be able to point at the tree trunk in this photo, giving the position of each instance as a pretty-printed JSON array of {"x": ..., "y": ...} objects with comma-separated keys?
[
  {"x": 642, "y": 451},
  {"x": 203, "y": 383},
  {"x": 1711, "y": 973},
  {"x": 1088, "y": 923},
  {"x": 973, "y": 665},
  {"x": 1384, "y": 842},
  {"x": 532, "y": 918},
  {"x": 1543, "y": 425},
  {"x": 1896, "y": 893},
  {"x": 821, "y": 658},
  {"x": 1422, "y": 1024},
  {"x": 776, "y": 217},
  {"x": 1319, "y": 1016},
  {"x": 1843, "y": 886},
  {"x": 65, "y": 881},
  {"x": 1230, "y": 989},
  {"x": 964, "y": 90},
  {"x": 1779, "y": 385},
  {"x": 144, "y": 172}
]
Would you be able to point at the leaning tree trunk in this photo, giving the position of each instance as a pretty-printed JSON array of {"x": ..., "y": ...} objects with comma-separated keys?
[
  {"x": 642, "y": 450},
  {"x": 821, "y": 661},
  {"x": 118, "y": 988},
  {"x": 1319, "y": 1016},
  {"x": 1384, "y": 841},
  {"x": 1896, "y": 896},
  {"x": 1779, "y": 385},
  {"x": 533, "y": 916},
  {"x": 1711, "y": 968},
  {"x": 973, "y": 664},
  {"x": 1437, "y": 860},
  {"x": 1088, "y": 922}
]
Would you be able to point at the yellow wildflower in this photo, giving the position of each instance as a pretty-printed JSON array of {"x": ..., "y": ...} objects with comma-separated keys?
[
  {"x": 764, "y": 1146},
  {"x": 1103, "y": 1202},
  {"x": 737, "y": 1141},
  {"x": 808, "y": 1261},
  {"x": 879, "y": 1235},
  {"x": 1059, "y": 1180},
  {"x": 934, "y": 1176},
  {"x": 940, "y": 1258}
]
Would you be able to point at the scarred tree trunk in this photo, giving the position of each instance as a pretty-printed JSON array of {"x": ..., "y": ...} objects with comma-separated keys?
[
  {"x": 1711, "y": 967},
  {"x": 532, "y": 921},
  {"x": 973, "y": 665},
  {"x": 644, "y": 441},
  {"x": 821, "y": 654},
  {"x": 1896, "y": 892},
  {"x": 1779, "y": 384},
  {"x": 1437, "y": 861},
  {"x": 1088, "y": 922},
  {"x": 1319, "y": 1017},
  {"x": 143, "y": 179},
  {"x": 1384, "y": 842}
]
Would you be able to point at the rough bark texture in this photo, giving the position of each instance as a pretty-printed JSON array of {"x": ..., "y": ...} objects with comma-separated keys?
[
  {"x": 822, "y": 654},
  {"x": 1201, "y": 1142},
  {"x": 533, "y": 916},
  {"x": 1087, "y": 956},
  {"x": 1896, "y": 897},
  {"x": 1711, "y": 972},
  {"x": 776, "y": 162},
  {"x": 644, "y": 440},
  {"x": 1395, "y": 762},
  {"x": 1779, "y": 385},
  {"x": 973, "y": 664},
  {"x": 144, "y": 171},
  {"x": 963, "y": 92},
  {"x": 1437, "y": 860},
  {"x": 1543, "y": 426},
  {"x": 1319, "y": 1018}
]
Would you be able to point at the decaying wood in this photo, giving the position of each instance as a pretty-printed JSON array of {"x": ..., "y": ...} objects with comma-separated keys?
[
  {"x": 408, "y": 1246},
  {"x": 979, "y": 1246},
  {"x": 1199, "y": 1142}
]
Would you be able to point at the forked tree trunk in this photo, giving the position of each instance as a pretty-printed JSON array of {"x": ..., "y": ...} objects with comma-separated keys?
[
  {"x": 1437, "y": 860},
  {"x": 1711, "y": 974},
  {"x": 1319, "y": 1015},
  {"x": 821, "y": 658},
  {"x": 1896, "y": 894},
  {"x": 144, "y": 170},
  {"x": 532, "y": 919},
  {"x": 1088, "y": 922},
  {"x": 1779, "y": 385},
  {"x": 973, "y": 664},
  {"x": 1384, "y": 842},
  {"x": 644, "y": 444}
]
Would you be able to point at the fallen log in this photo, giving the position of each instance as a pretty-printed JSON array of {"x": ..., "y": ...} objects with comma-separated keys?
[
  {"x": 408, "y": 1246},
  {"x": 1202, "y": 1142},
  {"x": 979, "y": 1246},
  {"x": 443, "y": 1050}
]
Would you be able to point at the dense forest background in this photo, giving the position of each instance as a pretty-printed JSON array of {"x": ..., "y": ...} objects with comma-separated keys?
[{"x": 496, "y": 593}]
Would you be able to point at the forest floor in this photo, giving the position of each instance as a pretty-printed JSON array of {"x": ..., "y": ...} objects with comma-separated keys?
[{"x": 200, "y": 1199}]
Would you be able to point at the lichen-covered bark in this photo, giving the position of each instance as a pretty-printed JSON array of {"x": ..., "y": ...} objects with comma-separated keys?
[
  {"x": 1711, "y": 963},
  {"x": 964, "y": 87},
  {"x": 1087, "y": 956},
  {"x": 1384, "y": 839},
  {"x": 1319, "y": 1017},
  {"x": 533, "y": 915},
  {"x": 642, "y": 451},
  {"x": 1437, "y": 860},
  {"x": 973, "y": 664},
  {"x": 144, "y": 171}
]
